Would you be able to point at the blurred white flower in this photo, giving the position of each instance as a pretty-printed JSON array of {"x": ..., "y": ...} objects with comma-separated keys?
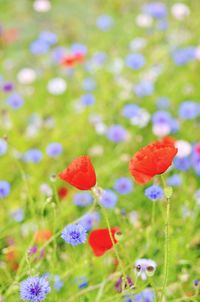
[
  {"x": 141, "y": 119},
  {"x": 144, "y": 268},
  {"x": 57, "y": 86},
  {"x": 26, "y": 76},
  {"x": 180, "y": 11},
  {"x": 100, "y": 128},
  {"x": 184, "y": 148},
  {"x": 97, "y": 150},
  {"x": 41, "y": 6},
  {"x": 116, "y": 66},
  {"x": 137, "y": 44},
  {"x": 46, "y": 190},
  {"x": 143, "y": 20},
  {"x": 161, "y": 129}
]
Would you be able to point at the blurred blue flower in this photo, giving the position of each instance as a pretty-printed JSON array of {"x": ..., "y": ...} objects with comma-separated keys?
[
  {"x": 48, "y": 37},
  {"x": 154, "y": 192},
  {"x": 18, "y": 215},
  {"x": 182, "y": 163},
  {"x": 87, "y": 100},
  {"x": 116, "y": 133},
  {"x": 144, "y": 88},
  {"x": 74, "y": 234},
  {"x": 82, "y": 282},
  {"x": 123, "y": 185},
  {"x": 183, "y": 56},
  {"x": 83, "y": 199},
  {"x": 99, "y": 57},
  {"x": 58, "y": 53},
  {"x": 33, "y": 156},
  {"x": 135, "y": 61},
  {"x": 89, "y": 220},
  {"x": 174, "y": 180},
  {"x": 15, "y": 101},
  {"x": 4, "y": 189},
  {"x": 130, "y": 110},
  {"x": 58, "y": 283},
  {"x": 163, "y": 25},
  {"x": 3, "y": 146},
  {"x": 163, "y": 102},
  {"x": 108, "y": 199},
  {"x": 8, "y": 87},
  {"x": 89, "y": 84},
  {"x": 161, "y": 117},
  {"x": 104, "y": 22},
  {"x": 189, "y": 110},
  {"x": 78, "y": 47},
  {"x": 54, "y": 149},
  {"x": 38, "y": 47},
  {"x": 34, "y": 289},
  {"x": 155, "y": 9}
]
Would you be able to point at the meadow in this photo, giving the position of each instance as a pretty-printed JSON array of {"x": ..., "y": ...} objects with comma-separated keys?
[{"x": 99, "y": 151}]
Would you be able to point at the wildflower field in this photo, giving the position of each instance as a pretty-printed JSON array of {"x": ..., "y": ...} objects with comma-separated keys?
[{"x": 99, "y": 151}]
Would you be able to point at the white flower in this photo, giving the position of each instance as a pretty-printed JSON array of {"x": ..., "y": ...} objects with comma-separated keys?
[
  {"x": 197, "y": 52},
  {"x": 100, "y": 128},
  {"x": 137, "y": 44},
  {"x": 57, "y": 86},
  {"x": 161, "y": 129},
  {"x": 26, "y": 76},
  {"x": 145, "y": 268},
  {"x": 184, "y": 148},
  {"x": 143, "y": 20},
  {"x": 141, "y": 119},
  {"x": 46, "y": 190},
  {"x": 41, "y": 6},
  {"x": 180, "y": 11}
]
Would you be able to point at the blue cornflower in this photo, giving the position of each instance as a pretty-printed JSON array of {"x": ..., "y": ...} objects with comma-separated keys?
[
  {"x": 87, "y": 100},
  {"x": 74, "y": 234},
  {"x": 4, "y": 189},
  {"x": 58, "y": 283},
  {"x": 135, "y": 61},
  {"x": 34, "y": 289},
  {"x": 182, "y": 163},
  {"x": 33, "y": 156},
  {"x": 130, "y": 110},
  {"x": 108, "y": 199},
  {"x": 48, "y": 37},
  {"x": 123, "y": 185},
  {"x": 161, "y": 117},
  {"x": 88, "y": 221},
  {"x": 116, "y": 133},
  {"x": 3, "y": 146},
  {"x": 99, "y": 58},
  {"x": 38, "y": 47},
  {"x": 174, "y": 180},
  {"x": 83, "y": 199},
  {"x": 15, "y": 101},
  {"x": 154, "y": 192},
  {"x": 146, "y": 295},
  {"x": 54, "y": 149},
  {"x": 89, "y": 84},
  {"x": 104, "y": 22},
  {"x": 163, "y": 102},
  {"x": 78, "y": 47},
  {"x": 144, "y": 88},
  {"x": 58, "y": 53},
  {"x": 189, "y": 110},
  {"x": 18, "y": 215},
  {"x": 183, "y": 56},
  {"x": 155, "y": 9}
]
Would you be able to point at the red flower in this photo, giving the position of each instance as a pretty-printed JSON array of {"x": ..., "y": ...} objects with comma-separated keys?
[
  {"x": 71, "y": 60},
  {"x": 100, "y": 240},
  {"x": 80, "y": 173},
  {"x": 153, "y": 159},
  {"x": 62, "y": 192},
  {"x": 43, "y": 235}
]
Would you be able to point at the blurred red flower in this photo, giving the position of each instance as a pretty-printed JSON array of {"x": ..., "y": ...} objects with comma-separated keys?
[
  {"x": 71, "y": 60},
  {"x": 152, "y": 159},
  {"x": 43, "y": 235},
  {"x": 100, "y": 240},
  {"x": 62, "y": 192},
  {"x": 80, "y": 173}
]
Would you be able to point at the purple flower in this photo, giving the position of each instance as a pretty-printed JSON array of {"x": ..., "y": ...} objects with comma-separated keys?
[
  {"x": 8, "y": 87},
  {"x": 123, "y": 185},
  {"x": 154, "y": 192},
  {"x": 116, "y": 133},
  {"x": 83, "y": 199},
  {"x": 33, "y": 250},
  {"x": 108, "y": 199},
  {"x": 34, "y": 289},
  {"x": 3, "y": 146},
  {"x": 104, "y": 22},
  {"x": 88, "y": 221},
  {"x": 87, "y": 100},
  {"x": 130, "y": 110},
  {"x": 33, "y": 156},
  {"x": 118, "y": 284},
  {"x": 174, "y": 180},
  {"x": 135, "y": 61},
  {"x": 155, "y": 9},
  {"x": 15, "y": 101},
  {"x": 144, "y": 88},
  {"x": 183, "y": 56},
  {"x": 74, "y": 234},
  {"x": 189, "y": 110},
  {"x": 54, "y": 149},
  {"x": 4, "y": 189}
]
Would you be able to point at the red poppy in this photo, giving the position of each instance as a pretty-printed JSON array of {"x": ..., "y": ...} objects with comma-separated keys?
[
  {"x": 62, "y": 192},
  {"x": 153, "y": 159},
  {"x": 100, "y": 240},
  {"x": 71, "y": 60},
  {"x": 80, "y": 173},
  {"x": 43, "y": 235}
]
